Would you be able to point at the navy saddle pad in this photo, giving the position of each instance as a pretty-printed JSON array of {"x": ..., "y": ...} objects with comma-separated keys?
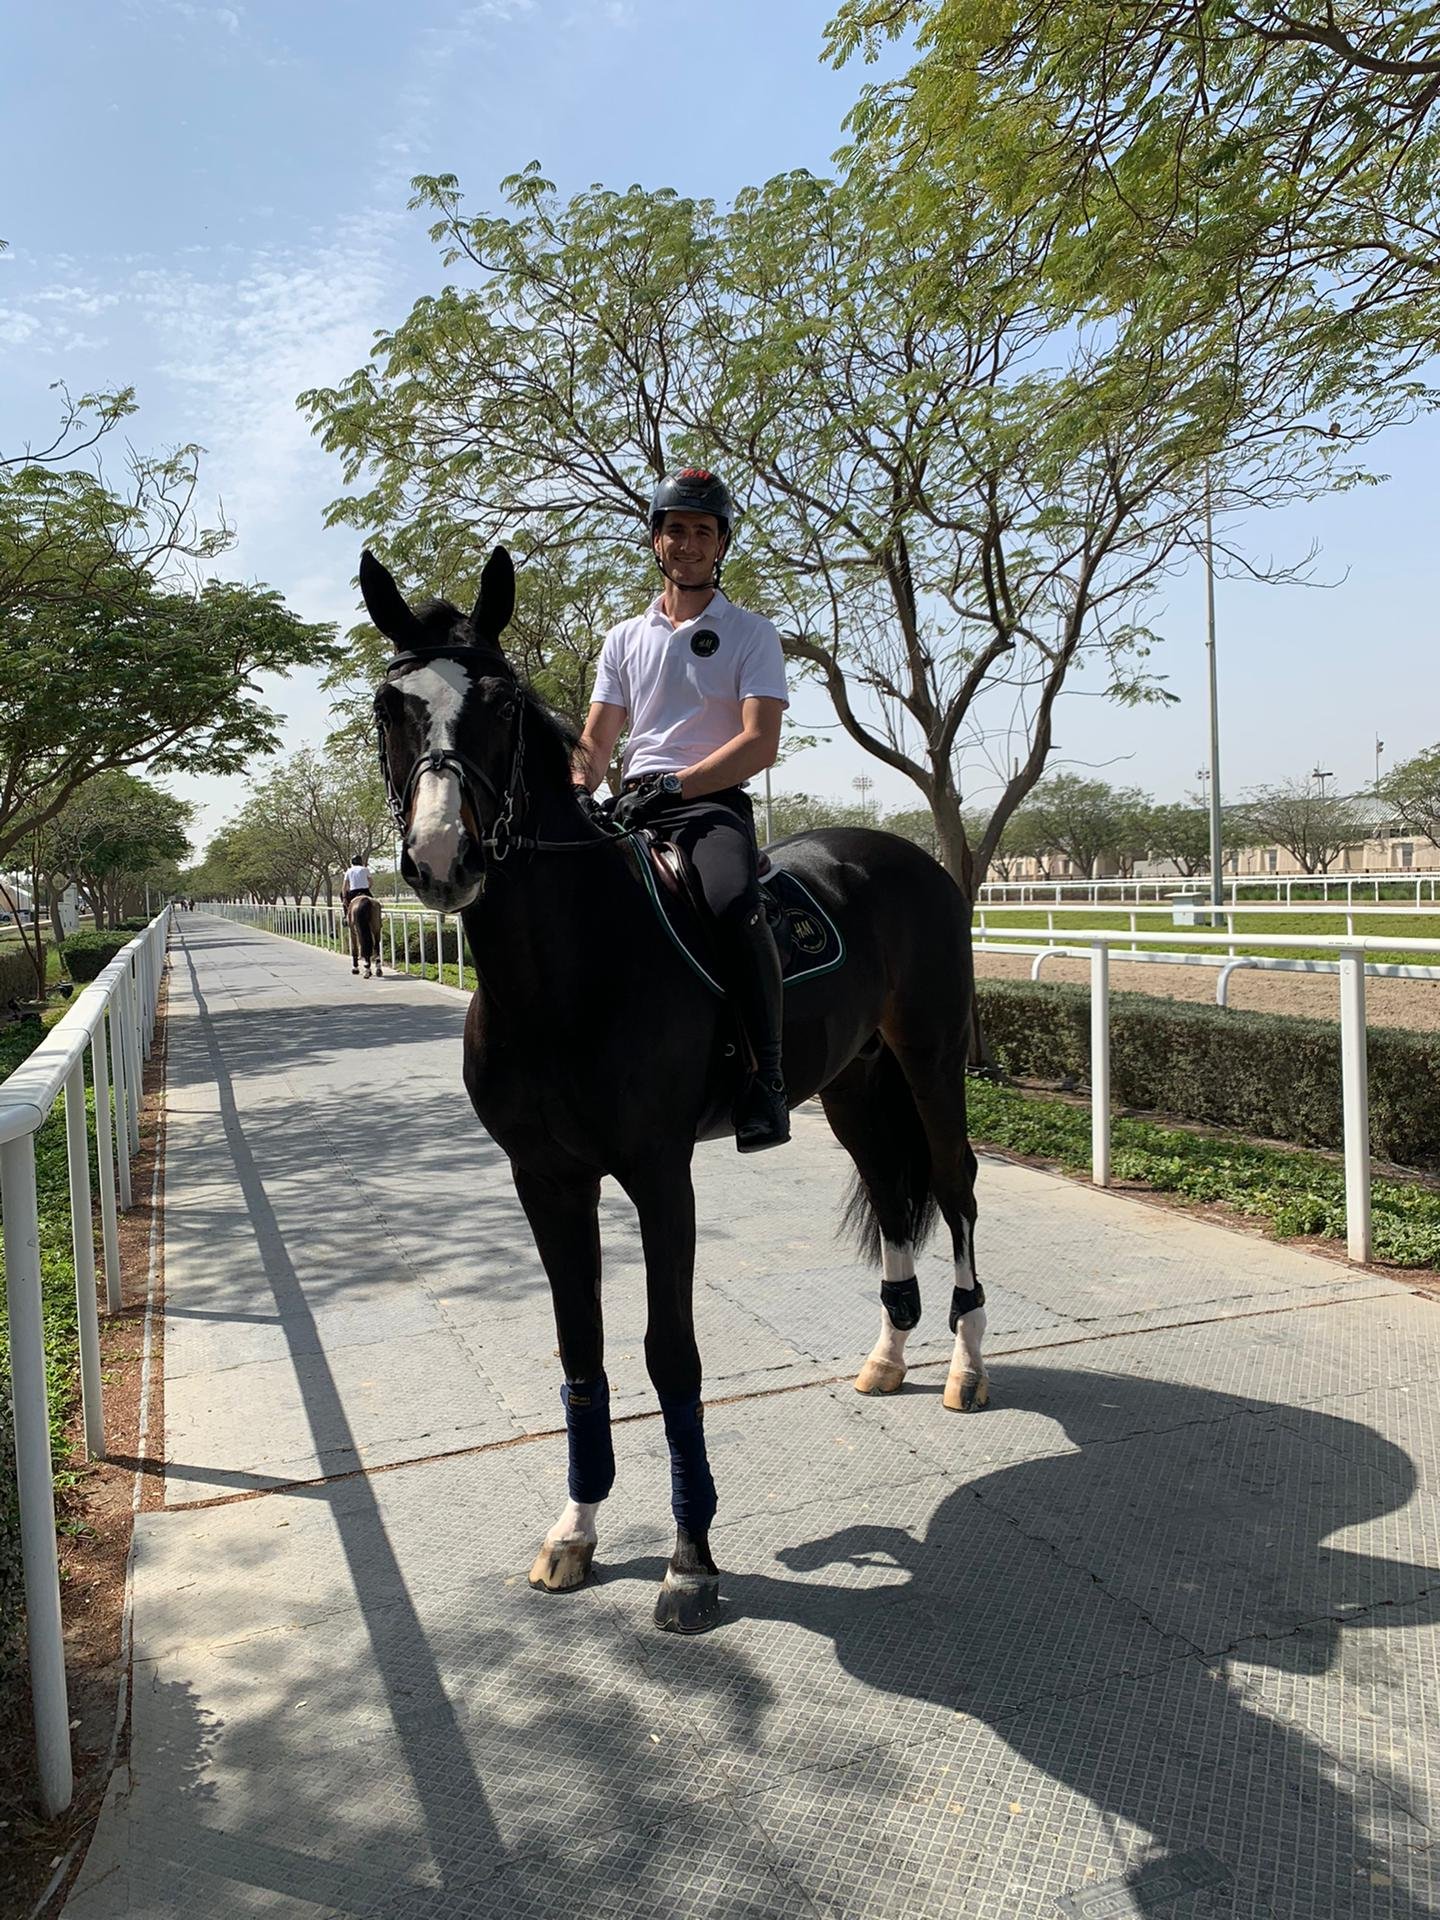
[{"x": 808, "y": 940}]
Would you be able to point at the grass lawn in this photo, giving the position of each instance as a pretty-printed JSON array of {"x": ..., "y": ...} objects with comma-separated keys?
[{"x": 1288, "y": 1191}]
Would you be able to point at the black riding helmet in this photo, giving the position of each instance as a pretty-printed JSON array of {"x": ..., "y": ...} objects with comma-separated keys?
[{"x": 693, "y": 490}]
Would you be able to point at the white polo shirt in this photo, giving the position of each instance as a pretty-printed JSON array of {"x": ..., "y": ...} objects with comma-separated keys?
[
  {"x": 682, "y": 686},
  {"x": 355, "y": 877}
]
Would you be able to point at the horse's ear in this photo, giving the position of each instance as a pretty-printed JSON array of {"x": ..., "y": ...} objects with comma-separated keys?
[
  {"x": 496, "y": 601},
  {"x": 385, "y": 603}
]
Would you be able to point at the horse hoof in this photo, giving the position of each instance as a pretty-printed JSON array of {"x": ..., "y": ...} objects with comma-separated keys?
[
  {"x": 688, "y": 1602},
  {"x": 967, "y": 1392},
  {"x": 562, "y": 1565},
  {"x": 880, "y": 1376}
]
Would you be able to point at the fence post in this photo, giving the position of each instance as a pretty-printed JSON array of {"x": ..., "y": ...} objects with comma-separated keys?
[
  {"x": 105, "y": 1158},
  {"x": 1100, "y": 1064},
  {"x": 82, "y": 1239},
  {"x": 120, "y": 1060},
  {"x": 130, "y": 993},
  {"x": 1356, "y": 1085},
  {"x": 33, "y": 1475},
  {"x": 390, "y": 924}
]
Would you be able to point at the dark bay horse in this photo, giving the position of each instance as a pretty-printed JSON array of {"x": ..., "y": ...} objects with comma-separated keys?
[
  {"x": 366, "y": 919},
  {"x": 592, "y": 1048}
]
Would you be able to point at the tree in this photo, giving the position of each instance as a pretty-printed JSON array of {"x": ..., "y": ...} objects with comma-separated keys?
[
  {"x": 113, "y": 830},
  {"x": 955, "y": 505},
  {"x": 1193, "y": 156},
  {"x": 168, "y": 680},
  {"x": 1086, "y": 820},
  {"x": 1313, "y": 826},
  {"x": 1413, "y": 790},
  {"x": 1179, "y": 831}
]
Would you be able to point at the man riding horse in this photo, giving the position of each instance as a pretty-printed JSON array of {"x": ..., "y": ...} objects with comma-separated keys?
[{"x": 701, "y": 684}]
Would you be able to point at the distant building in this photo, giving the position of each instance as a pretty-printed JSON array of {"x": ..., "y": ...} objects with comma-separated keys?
[{"x": 1389, "y": 847}]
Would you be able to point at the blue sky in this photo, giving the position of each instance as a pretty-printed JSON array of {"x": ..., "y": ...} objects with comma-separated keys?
[{"x": 208, "y": 201}]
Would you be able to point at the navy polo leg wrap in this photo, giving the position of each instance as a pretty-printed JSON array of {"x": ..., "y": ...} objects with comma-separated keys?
[
  {"x": 965, "y": 1300},
  {"x": 692, "y": 1488},
  {"x": 901, "y": 1300},
  {"x": 587, "y": 1424}
]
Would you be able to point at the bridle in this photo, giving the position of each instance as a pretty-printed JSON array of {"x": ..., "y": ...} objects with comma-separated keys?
[{"x": 508, "y": 805}]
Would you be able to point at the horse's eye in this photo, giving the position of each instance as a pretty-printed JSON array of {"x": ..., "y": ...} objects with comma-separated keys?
[{"x": 387, "y": 702}]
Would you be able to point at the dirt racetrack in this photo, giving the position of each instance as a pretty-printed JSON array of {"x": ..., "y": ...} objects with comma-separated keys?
[{"x": 1388, "y": 1003}]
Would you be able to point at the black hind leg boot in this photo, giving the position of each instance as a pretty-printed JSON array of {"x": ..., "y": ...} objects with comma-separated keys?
[{"x": 762, "y": 1114}]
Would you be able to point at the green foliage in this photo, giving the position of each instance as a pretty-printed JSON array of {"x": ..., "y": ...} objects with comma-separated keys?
[
  {"x": 1289, "y": 1192},
  {"x": 1271, "y": 1076},
  {"x": 111, "y": 834},
  {"x": 945, "y": 501},
  {"x": 88, "y": 951},
  {"x": 1413, "y": 789},
  {"x": 1193, "y": 163},
  {"x": 166, "y": 680}
]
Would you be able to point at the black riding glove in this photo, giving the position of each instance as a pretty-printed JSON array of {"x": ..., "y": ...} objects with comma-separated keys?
[
  {"x": 592, "y": 809},
  {"x": 640, "y": 804}
]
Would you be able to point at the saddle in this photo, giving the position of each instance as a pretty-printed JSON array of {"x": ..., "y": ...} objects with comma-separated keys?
[{"x": 807, "y": 939}]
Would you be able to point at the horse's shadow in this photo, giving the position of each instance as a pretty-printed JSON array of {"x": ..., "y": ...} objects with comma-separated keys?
[{"x": 1157, "y": 1621}]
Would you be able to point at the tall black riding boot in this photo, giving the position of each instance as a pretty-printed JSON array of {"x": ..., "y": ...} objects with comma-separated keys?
[{"x": 762, "y": 1114}]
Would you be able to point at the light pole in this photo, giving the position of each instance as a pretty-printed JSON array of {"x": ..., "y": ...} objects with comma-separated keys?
[
  {"x": 1217, "y": 885},
  {"x": 862, "y": 783},
  {"x": 1321, "y": 775},
  {"x": 1379, "y": 749}
]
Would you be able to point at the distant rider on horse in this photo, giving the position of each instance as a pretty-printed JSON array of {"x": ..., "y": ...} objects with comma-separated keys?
[
  {"x": 701, "y": 684},
  {"x": 357, "y": 881}
]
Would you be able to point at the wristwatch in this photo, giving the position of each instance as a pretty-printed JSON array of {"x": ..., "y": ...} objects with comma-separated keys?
[{"x": 669, "y": 783}]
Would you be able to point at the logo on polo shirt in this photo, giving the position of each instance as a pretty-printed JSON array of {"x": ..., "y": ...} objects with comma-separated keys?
[{"x": 705, "y": 642}]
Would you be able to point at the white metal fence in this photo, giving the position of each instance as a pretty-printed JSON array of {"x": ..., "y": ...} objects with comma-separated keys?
[
  {"x": 1349, "y": 963},
  {"x": 114, "y": 1017},
  {"x": 438, "y": 938},
  {"x": 1275, "y": 886}
]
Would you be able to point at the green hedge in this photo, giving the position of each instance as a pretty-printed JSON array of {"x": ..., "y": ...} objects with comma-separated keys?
[
  {"x": 87, "y": 953},
  {"x": 1272, "y": 1076},
  {"x": 17, "y": 977}
]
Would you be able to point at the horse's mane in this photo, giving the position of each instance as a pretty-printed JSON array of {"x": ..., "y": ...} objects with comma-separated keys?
[{"x": 555, "y": 738}]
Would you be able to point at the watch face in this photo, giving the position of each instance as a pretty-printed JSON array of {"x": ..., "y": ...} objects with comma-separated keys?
[
  {"x": 705, "y": 642},
  {"x": 670, "y": 783}
]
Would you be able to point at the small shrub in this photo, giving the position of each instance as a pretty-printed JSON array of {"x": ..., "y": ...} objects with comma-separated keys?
[
  {"x": 88, "y": 952},
  {"x": 1268, "y": 1075},
  {"x": 17, "y": 977}
]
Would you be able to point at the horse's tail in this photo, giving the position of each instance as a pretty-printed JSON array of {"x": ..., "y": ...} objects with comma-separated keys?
[{"x": 891, "y": 1106}]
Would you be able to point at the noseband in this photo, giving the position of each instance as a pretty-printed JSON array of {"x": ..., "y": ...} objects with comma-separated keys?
[{"x": 508, "y": 805}]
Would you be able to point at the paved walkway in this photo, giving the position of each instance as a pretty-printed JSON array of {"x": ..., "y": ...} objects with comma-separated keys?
[{"x": 1155, "y": 1634}]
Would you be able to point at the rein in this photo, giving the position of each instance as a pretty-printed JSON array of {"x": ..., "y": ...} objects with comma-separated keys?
[{"x": 510, "y": 805}]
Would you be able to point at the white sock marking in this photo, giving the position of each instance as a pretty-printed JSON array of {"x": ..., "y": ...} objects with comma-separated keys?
[
  {"x": 971, "y": 1328},
  {"x": 897, "y": 1263},
  {"x": 577, "y": 1522}
]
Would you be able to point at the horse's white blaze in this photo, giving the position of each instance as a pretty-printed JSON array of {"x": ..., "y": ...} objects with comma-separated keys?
[
  {"x": 897, "y": 1262},
  {"x": 577, "y": 1522},
  {"x": 435, "y": 822}
]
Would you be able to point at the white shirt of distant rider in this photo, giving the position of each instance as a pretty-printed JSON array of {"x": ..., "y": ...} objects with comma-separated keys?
[
  {"x": 682, "y": 686},
  {"x": 355, "y": 878}
]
